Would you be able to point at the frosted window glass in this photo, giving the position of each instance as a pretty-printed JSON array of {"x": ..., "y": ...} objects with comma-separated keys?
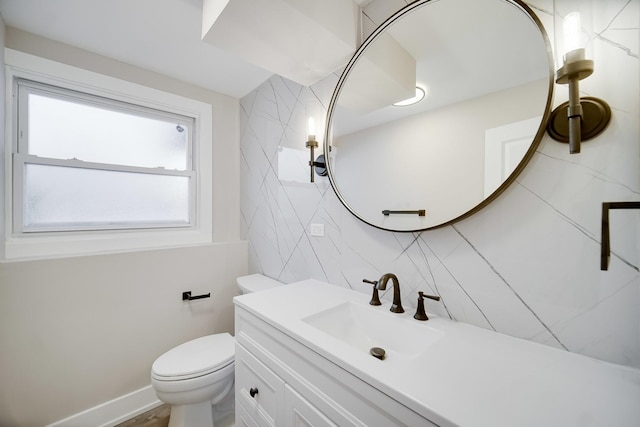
[
  {"x": 62, "y": 196},
  {"x": 62, "y": 129}
]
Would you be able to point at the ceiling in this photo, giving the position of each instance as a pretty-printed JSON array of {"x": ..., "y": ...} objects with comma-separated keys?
[{"x": 163, "y": 36}]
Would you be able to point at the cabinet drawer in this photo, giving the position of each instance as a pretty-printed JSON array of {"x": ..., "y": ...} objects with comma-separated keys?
[{"x": 258, "y": 389}]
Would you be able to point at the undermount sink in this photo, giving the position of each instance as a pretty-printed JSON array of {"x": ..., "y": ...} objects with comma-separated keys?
[{"x": 365, "y": 327}]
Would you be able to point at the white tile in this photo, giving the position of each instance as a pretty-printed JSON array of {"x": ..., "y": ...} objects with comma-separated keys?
[{"x": 526, "y": 265}]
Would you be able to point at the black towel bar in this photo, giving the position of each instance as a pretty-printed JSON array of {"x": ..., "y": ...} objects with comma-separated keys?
[
  {"x": 186, "y": 296},
  {"x": 420, "y": 212},
  {"x": 605, "y": 245}
]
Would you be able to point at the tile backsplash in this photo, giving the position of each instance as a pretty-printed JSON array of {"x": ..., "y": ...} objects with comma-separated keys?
[{"x": 527, "y": 265}]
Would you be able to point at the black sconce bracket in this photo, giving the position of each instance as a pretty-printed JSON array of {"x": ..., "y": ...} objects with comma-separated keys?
[
  {"x": 596, "y": 115},
  {"x": 320, "y": 165}
]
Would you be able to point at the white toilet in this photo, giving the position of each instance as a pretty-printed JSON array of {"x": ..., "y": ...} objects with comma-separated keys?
[{"x": 197, "y": 378}]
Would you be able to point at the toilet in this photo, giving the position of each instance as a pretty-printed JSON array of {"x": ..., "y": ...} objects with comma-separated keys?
[{"x": 197, "y": 378}]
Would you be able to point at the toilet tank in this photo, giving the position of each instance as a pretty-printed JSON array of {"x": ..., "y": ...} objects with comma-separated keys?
[{"x": 256, "y": 282}]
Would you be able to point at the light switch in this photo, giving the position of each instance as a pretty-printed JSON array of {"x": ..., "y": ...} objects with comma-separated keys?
[{"x": 317, "y": 230}]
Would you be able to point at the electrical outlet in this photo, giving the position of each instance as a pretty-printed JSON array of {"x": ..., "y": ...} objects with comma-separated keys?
[{"x": 317, "y": 230}]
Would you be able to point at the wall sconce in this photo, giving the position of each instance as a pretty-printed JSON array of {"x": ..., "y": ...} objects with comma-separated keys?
[
  {"x": 318, "y": 164},
  {"x": 579, "y": 119}
]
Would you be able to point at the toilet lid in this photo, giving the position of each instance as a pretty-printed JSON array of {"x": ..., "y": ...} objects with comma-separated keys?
[
  {"x": 256, "y": 282},
  {"x": 195, "y": 358}
]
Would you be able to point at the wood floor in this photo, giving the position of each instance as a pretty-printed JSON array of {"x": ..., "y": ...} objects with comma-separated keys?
[{"x": 158, "y": 417}]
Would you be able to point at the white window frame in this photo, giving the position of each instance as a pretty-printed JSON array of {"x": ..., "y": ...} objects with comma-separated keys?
[
  {"x": 20, "y": 246},
  {"x": 21, "y": 156}
]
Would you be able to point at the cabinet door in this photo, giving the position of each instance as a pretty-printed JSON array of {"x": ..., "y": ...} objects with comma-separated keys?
[
  {"x": 258, "y": 390},
  {"x": 243, "y": 419},
  {"x": 300, "y": 413}
]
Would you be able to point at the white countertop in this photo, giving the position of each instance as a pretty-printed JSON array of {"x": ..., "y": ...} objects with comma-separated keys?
[{"x": 468, "y": 377}]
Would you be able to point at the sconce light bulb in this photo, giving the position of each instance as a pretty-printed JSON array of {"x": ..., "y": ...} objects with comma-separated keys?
[
  {"x": 571, "y": 29},
  {"x": 311, "y": 129}
]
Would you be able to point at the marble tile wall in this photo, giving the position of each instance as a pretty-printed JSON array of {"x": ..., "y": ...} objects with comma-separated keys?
[{"x": 527, "y": 265}]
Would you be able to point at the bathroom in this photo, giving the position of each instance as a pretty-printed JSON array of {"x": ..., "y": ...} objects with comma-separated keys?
[{"x": 80, "y": 331}]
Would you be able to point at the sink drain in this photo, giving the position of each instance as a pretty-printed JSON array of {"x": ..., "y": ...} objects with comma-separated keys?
[{"x": 377, "y": 352}]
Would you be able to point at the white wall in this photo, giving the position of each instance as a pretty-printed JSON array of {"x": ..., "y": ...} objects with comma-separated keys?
[
  {"x": 527, "y": 265},
  {"x": 77, "y": 332},
  {"x": 2, "y": 129}
]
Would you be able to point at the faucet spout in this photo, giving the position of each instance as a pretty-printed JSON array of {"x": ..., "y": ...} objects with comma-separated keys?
[{"x": 396, "y": 306}]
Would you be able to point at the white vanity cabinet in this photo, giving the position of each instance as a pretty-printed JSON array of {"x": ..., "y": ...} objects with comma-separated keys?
[
  {"x": 295, "y": 386},
  {"x": 299, "y": 412},
  {"x": 305, "y": 348}
]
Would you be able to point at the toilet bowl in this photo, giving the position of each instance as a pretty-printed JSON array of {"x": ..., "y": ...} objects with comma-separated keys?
[{"x": 197, "y": 378}]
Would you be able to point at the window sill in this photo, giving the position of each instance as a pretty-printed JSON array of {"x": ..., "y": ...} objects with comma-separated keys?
[{"x": 54, "y": 246}]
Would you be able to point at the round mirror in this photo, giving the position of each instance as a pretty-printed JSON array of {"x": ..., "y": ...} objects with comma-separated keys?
[{"x": 486, "y": 71}]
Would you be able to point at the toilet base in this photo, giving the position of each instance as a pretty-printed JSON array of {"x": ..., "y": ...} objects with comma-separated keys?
[
  {"x": 192, "y": 415},
  {"x": 204, "y": 414},
  {"x": 222, "y": 408}
]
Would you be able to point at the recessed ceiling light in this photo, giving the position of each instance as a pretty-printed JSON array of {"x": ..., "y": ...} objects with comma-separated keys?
[{"x": 413, "y": 100}]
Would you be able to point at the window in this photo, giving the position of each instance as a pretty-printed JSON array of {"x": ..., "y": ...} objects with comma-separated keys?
[
  {"x": 94, "y": 170},
  {"x": 89, "y": 163}
]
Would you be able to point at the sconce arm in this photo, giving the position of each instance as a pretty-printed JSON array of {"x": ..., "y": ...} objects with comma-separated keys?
[
  {"x": 579, "y": 119},
  {"x": 319, "y": 163}
]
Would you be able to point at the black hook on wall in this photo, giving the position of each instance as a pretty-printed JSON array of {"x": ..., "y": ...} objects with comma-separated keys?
[{"x": 605, "y": 251}]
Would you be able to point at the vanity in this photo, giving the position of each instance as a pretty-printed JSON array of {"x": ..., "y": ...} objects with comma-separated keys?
[
  {"x": 302, "y": 358},
  {"x": 311, "y": 354}
]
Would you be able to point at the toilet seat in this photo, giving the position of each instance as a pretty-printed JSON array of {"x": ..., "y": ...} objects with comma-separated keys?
[{"x": 196, "y": 358}]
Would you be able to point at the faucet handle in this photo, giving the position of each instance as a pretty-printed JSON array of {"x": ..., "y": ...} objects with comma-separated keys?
[
  {"x": 420, "y": 312},
  {"x": 375, "y": 299},
  {"x": 433, "y": 297}
]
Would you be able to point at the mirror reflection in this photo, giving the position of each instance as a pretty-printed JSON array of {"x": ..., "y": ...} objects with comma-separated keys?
[{"x": 487, "y": 76}]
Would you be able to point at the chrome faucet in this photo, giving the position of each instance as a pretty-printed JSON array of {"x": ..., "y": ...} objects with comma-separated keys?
[{"x": 396, "y": 307}]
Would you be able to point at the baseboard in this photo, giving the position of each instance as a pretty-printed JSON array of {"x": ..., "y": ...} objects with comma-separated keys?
[{"x": 115, "y": 411}]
